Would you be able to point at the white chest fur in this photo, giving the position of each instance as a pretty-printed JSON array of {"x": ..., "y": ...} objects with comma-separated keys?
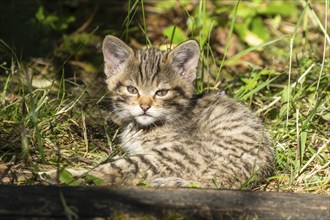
[{"x": 131, "y": 140}]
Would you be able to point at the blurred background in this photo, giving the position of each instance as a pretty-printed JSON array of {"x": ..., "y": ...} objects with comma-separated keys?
[{"x": 68, "y": 33}]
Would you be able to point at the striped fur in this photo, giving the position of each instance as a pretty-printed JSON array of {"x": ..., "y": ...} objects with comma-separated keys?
[{"x": 182, "y": 139}]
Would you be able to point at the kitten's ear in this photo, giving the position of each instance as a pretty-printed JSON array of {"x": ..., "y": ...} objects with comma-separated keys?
[
  {"x": 184, "y": 59},
  {"x": 116, "y": 55}
]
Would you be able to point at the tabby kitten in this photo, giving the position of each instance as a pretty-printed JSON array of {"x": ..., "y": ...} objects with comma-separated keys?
[{"x": 172, "y": 136}]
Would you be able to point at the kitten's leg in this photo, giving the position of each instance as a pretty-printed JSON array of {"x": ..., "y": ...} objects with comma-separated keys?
[
  {"x": 131, "y": 171},
  {"x": 123, "y": 171},
  {"x": 51, "y": 176},
  {"x": 173, "y": 182}
]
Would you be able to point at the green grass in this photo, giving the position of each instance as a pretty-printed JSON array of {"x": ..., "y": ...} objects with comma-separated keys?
[{"x": 48, "y": 120}]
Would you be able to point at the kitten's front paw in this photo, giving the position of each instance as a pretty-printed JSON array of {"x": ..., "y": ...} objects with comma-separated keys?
[
  {"x": 173, "y": 182},
  {"x": 56, "y": 177}
]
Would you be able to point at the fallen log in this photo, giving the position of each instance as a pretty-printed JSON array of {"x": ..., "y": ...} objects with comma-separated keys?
[{"x": 53, "y": 202}]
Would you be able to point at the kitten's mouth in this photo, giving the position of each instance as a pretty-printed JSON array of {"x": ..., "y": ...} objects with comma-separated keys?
[
  {"x": 144, "y": 116},
  {"x": 145, "y": 119}
]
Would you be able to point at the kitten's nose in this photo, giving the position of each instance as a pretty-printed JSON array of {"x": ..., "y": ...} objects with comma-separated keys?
[{"x": 145, "y": 107}]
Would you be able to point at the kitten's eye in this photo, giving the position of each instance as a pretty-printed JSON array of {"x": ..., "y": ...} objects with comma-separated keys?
[
  {"x": 161, "y": 92},
  {"x": 132, "y": 89}
]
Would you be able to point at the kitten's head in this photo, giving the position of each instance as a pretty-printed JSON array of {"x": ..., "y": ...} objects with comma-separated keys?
[{"x": 150, "y": 86}]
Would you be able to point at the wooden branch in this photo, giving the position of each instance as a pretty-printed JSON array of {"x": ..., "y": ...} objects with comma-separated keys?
[{"x": 121, "y": 202}]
